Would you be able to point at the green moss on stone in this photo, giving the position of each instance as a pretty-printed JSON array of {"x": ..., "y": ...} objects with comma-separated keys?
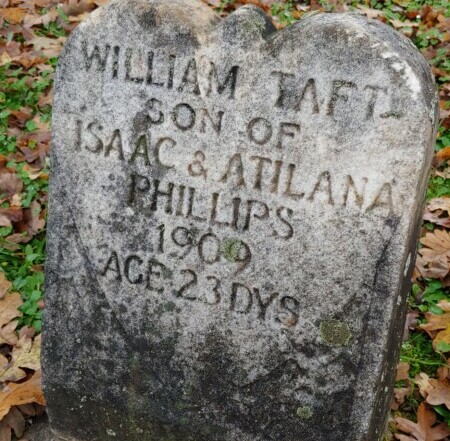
[
  {"x": 304, "y": 412},
  {"x": 335, "y": 332},
  {"x": 231, "y": 248},
  {"x": 254, "y": 25}
]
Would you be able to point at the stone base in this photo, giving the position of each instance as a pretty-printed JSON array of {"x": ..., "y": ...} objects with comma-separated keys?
[{"x": 39, "y": 431}]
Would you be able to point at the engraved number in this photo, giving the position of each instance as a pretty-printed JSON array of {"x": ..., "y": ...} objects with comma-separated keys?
[{"x": 192, "y": 282}]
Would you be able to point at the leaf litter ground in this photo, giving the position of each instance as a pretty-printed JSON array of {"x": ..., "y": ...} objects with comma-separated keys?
[{"x": 32, "y": 34}]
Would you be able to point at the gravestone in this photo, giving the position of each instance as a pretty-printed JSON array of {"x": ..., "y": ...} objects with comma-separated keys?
[{"x": 233, "y": 222}]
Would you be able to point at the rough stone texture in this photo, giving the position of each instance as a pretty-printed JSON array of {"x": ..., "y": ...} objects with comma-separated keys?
[
  {"x": 232, "y": 225},
  {"x": 39, "y": 431}
]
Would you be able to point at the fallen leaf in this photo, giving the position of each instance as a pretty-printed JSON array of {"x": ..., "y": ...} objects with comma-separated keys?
[
  {"x": 10, "y": 184},
  {"x": 439, "y": 204},
  {"x": 33, "y": 173},
  {"x": 444, "y": 305},
  {"x": 11, "y": 214},
  {"x": 8, "y": 308},
  {"x": 5, "y": 58},
  {"x": 435, "y": 391},
  {"x": 440, "y": 394},
  {"x": 8, "y": 335},
  {"x": 402, "y": 371},
  {"x": 15, "y": 421},
  {"x": 424, "y": 382},
  {"x": 443, "y": 155},
  {"x": 436, "y": 322},
  {"x": 26, "y": 354},
  {"x": 49, "y": 47},
  {"x": 369, "y": 12},
  {"x": 31, "y": 20},
  {"x": 410, "y": 323},
  {"x": 441, "y": 342},
  {"x": 400, "y": 394},
  {"x": 437, "y": 217},
  {"x": 401, "y": 24},
  {"x": 77, "y": 7},
  {"x": 45, "y": 99},
  {"x": 431, "y": 271},
  {"x": 5, "y": 285},
  {"x": 442, "y": 372},
  {"x": 33, "y": 219},
  {"x": 425, "y": 428},
  {"x": 39, "y": 152},
  {"x": 14, "y": 394},
  {"x": 441, "y": 324},
  {"x": 13, "y": 15},
  {"x": 13, "y": 48},
  {"x": 435, "y": 254},
  {"x": 13, "y": 239}
]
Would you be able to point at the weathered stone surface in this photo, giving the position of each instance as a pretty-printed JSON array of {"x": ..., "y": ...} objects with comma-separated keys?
[
  {"x": 233, "y": 221},
  {"x": 39, "y": 431}
]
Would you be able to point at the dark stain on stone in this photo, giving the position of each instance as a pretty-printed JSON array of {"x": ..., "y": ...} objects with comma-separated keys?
[{"x": 149, "y": 19}]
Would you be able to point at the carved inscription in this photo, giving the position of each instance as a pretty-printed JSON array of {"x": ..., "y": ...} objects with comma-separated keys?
[
  {"x": 202, "y": 77},
  {"x": 260, "y": 174},
  {"x": 300, "y": 95},
  {"x": 236, "y": 296},
  {"x": 161, "y": 70},
  {"x": 207, "y": 205}
]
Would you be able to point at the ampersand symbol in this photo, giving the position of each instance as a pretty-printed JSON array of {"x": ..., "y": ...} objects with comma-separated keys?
[{"x": 197, "y": 168}]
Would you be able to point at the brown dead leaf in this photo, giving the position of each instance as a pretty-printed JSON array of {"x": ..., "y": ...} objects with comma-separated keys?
[
  {"x": 410, "y": 323},
  {"x": 442, "y": 372},
  {"x": 435, "y": 391},
  {"x": 5, "y": 58},
  {"x": 435, "y": 254},
  {"x": 402, "y": 371},
  {"x": 436, "y": 322},
  {"x": 39, "y": 152},
  {"x": 369, "y": 12},
  {"x": 13, "y": 48},
  {"x": 437, "y": 217},
  {"x": 33, "y": 219},
  {"x": 425, "y": 428},
  {"x": 444, "y": 305},
  {"x": 398, "y": 24},
  {"x": 49, "y": 47},
  {"x": 442, "y": 340},
  {"x": 5, "y": 285},
  {"x": 431, "y": 271},
  {"x": 8, "y": 308},
  {"x": 400, "y": 394},
  {"x": 440, "y": 323},
  {"x": 15, "y": 421},
  {"x": 5, "y": 222},
  {"x": 15, "y": 394},
  {"x": 11, "y": 241},
  {"x": 440, "y": 394},
  {"x": 442, "y": 203},
  {"x": 31, "y": 20},
  {"x": 20, "y": 116},
  {"x": 45, "y": 99},
  {"x": 75, "y": 8},
  {"x": 26, "y": 354},
  {"x": 33, "y": 173},
  {"x": 10, "y": 184},
  {"x": 29, "y": 59},
  {"x": 8, "y": 333},
  {"x": 13, "y": 15},
  {"x": 11, "y": 214},
  {"x": 424, "y": 382}
]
